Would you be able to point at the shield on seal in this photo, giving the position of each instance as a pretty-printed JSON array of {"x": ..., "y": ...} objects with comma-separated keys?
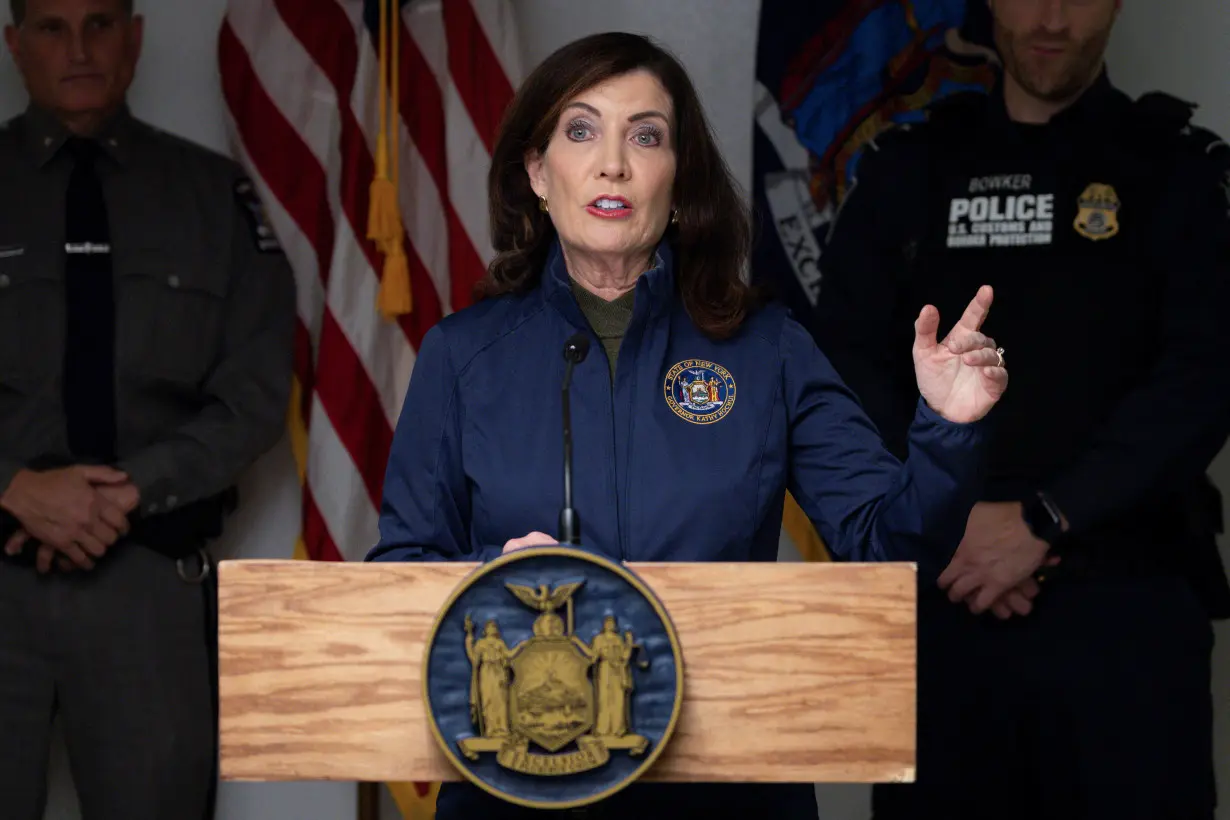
[{"x": 551, "y": 699}]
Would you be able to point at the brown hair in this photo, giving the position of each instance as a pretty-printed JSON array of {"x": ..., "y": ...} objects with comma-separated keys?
[
  {"x": 712, "y": 238},
  {"x": 18, "y": 9}
]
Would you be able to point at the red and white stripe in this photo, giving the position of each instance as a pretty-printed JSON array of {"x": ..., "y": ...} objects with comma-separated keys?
[{"x": 300, "y": 82}]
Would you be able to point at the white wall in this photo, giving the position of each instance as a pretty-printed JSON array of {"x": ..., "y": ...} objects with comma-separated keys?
[
  {"x": 716, "y": 40},
  {"x": 1183, "y": 48}
]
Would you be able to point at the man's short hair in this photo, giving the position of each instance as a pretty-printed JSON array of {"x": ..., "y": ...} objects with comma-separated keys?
[{"x": 18, "y": 9}]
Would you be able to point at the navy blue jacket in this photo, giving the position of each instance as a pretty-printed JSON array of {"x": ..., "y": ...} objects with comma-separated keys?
[
  {"x": 477, "y": 459},
  {"x": 477, "y": 455}
]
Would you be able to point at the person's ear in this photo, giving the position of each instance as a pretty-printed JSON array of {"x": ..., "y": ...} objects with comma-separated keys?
[
  {"x": 535, "y": 168},
  {"x": 138, "y": 37},
  {"x": 12, "y": 38}
]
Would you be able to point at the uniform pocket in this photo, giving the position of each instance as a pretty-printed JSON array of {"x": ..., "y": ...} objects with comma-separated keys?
[
  {"x": 31, "y": 319},
  {"x": 171, "y": 309}
]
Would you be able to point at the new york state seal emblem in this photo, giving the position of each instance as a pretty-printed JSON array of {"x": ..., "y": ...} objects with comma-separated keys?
[
  {"x": 553, "y": 677},
  {"x": 699, "y": 391}
]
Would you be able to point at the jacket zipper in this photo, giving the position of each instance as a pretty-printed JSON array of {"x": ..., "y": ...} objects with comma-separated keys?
[{"x": 615, "y": 474}]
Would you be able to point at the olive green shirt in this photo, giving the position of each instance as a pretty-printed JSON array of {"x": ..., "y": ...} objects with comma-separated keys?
[
  {"x": 204, "y": 301},
  {"x": 609, "y": 320}
]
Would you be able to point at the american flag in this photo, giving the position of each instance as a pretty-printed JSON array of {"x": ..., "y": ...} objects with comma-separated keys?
[{"x": 302, "y": 82}]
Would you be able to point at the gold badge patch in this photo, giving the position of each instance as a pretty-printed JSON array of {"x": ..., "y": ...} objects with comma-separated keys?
[{"x": 1097, "y": 217}]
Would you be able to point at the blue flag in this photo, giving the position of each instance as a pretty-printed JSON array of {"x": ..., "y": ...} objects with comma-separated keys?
[{"x": 830, "y": 76}]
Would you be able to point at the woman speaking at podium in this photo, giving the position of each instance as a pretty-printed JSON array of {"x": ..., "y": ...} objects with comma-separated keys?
[{"x": 621, "y": 239}]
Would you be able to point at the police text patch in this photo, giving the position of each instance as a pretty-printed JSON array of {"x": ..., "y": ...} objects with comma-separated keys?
[
  {"x": 1002, "y": 211},
  {"x": 263, "y": 237}
]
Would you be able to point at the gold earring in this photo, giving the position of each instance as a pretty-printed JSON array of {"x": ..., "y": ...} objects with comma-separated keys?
[{"x": 542, "y": 204}]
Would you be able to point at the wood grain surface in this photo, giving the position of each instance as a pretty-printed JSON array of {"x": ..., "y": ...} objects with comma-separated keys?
[{"x": 795, "y": 672}]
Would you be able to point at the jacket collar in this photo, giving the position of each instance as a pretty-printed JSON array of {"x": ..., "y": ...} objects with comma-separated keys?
[
  {"x": 44, "y": 135},
  {"x": 655, "y": 288},
  {"x": 1092, "y": 117}
]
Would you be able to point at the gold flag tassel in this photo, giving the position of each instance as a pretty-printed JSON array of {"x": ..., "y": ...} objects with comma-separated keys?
[
  {"x": 395, "y": 294},
  {"x": 383, "y": 195}
]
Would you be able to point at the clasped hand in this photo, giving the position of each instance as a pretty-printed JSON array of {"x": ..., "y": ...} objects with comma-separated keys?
[
  {"x": 74, "y": 513},
  {"x": 994, "y": 565}
]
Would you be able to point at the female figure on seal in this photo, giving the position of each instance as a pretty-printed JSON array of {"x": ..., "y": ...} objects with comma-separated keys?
[{"x": 488, "y": 680}]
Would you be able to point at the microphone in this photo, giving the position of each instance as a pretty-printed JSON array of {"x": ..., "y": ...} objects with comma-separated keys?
[{"x": 575, "y": 350}]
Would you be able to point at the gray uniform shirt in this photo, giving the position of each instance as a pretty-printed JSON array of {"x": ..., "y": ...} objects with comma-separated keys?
[{"x": 204, "y": 301}]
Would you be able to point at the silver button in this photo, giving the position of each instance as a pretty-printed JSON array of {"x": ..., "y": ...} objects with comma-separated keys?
[
  {"x": 46, "y": 140},
  {"x": 4, "y": 280},
  {"x": 171, "y": 502},
  {"x": 153, "y": 508},
  {"x": 173, "y": 281},
  {"x": 112, "y": 143}
]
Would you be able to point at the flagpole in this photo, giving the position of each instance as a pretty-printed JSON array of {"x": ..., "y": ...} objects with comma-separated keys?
[{"x": 369, "y": 801}]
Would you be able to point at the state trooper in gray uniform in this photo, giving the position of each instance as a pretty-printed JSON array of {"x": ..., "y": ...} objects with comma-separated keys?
[{"x": 146, "y": 324}]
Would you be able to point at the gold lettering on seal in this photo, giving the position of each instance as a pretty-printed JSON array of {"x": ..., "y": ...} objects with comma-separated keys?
[{"x": 590, "y": 754}]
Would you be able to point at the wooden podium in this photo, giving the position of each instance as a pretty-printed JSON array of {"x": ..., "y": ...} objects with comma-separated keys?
[{"x": 794, "y": 672}]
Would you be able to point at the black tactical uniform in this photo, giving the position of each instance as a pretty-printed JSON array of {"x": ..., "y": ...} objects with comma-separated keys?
[
  {"x": 146, "y": 321},
  {"x": 1106, "y": 235}
]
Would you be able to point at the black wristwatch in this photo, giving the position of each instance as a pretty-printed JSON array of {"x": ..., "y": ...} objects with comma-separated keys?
[{"x": 1043, "y": 517}]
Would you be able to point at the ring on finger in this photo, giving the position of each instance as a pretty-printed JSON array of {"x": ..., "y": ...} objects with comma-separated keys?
[{"x": 999, "y": 351}]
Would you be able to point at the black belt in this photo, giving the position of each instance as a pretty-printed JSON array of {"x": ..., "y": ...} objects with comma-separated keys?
[
  {"x": 178, "y": 534},
  {"x": 1196, "y": 561},
  {"x": 1105, "y": 563},
  {"x": 193, "y": 563}
]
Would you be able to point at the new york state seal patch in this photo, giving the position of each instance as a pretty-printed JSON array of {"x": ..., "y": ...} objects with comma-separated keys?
[
  {"x": 553, "y": 677},
  {"x": 699, "y": 391}
]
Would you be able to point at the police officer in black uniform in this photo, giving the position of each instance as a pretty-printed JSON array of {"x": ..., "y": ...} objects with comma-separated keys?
[
  {"x": 146, "y": 323},
  {"x": 1064, "y": 653}
]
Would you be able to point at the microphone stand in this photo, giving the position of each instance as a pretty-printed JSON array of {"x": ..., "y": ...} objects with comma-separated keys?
[{"x": 575, "y": 350}]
